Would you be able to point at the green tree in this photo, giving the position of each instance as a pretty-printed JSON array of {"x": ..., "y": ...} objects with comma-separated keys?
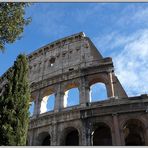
[
  {"x": 12, "y": 22},
  {"x": 14, "y": 102}
]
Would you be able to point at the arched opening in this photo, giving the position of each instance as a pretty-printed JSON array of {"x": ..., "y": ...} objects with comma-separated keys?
[
  {"x": 70, "y": 137},
  {"x": 46, "y": 141},
  {"x": 98, "y": 92},
  {"x": 31, "y": 108},
  {"x": 134, "y": 133},
  {"x": 47, "y": 103},
  {"x": 71, "y": 97},
  {"x": 102, "y": 135},
  {"x": 50, "y": 102}
]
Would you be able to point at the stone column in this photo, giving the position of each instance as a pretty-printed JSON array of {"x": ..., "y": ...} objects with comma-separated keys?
[
  {"x": 37, "y": 105},
  {"x": 84, "y": 92},
  {"x": 88, "y": 132},
  {"x": 59, "y": 100},
  {"x": 122, "y": 137},
  {"x": 111, "y": 83},
  {"x": 54, "y": 133},
  {"x": 117, "y": 130},
  {"x": 84, "y": 133}
]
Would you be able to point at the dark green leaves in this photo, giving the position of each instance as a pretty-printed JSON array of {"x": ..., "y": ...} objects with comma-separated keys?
[
  {"x": 14, "y": 105},
  {"x": 12, "y": 22}
]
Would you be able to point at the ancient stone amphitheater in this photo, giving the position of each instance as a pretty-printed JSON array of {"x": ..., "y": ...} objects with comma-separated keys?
[{"x": 75, "y": 62}]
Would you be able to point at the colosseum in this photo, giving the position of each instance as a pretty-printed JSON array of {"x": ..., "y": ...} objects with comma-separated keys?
[{"x": 75, "y": 62}]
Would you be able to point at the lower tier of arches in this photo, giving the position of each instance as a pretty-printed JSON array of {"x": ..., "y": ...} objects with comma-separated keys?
[{"x": 94, "y": 132}]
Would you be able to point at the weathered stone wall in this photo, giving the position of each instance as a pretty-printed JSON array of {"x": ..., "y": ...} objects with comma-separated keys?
[{"x": 110, "y": 112}]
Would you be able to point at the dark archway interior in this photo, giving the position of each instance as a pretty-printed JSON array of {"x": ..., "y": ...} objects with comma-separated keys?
[
  {"x": 72, "y": 138},
  {"x": 102, "y": 136},
  {"x": 133, "y": 140},
  {"x": 134, "y": 134},
  {"x": 46, "y": 141}
]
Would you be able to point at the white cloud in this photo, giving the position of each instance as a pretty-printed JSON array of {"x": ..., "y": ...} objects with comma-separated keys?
[
  {"x": 131, "y": 65},
  {"x": 131, "y": 18},
  {"x": 136, "y": 15}
]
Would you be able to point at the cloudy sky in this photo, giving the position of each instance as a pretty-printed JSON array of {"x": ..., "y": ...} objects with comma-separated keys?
[{"x": 119, "y": 30}]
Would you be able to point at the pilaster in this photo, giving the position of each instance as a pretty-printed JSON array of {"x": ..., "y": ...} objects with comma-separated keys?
[
  {"x": 116, "y": 129},
  {"x": 59, "y": 99},
  {"x": 84, "y": 92}
]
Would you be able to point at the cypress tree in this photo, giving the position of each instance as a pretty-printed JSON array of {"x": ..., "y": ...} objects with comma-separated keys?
[{"x": 15, "y": 105}]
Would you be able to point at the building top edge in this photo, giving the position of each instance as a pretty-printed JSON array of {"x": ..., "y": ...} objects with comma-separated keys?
[{"x": 64, "y": 39}]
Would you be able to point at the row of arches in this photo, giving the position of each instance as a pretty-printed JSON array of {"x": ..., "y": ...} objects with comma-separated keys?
[
  {"x": 71, "y": 98},
  {"x": 133, "y": 129},
  {"x": 71, "y": 138}
]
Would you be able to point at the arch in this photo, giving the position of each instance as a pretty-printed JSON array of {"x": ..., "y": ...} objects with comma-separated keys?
[
  {"x": 100, "y": 78},
  {"x": 47, "y": 103},
  {"x": 101, "y": 135},
  {"x": 71, "y": 96},
  {"x": 134, "y": 132},
  {"x": 47, "y": 91},
  {"x": 44, "y": 139},
  {"x": 103, "y": 78},
  {"x": 48, "y": 98},
  {"x": 98, "y": 92},
  {"x": 70, "y": 137},
  {"x": 71, "y": 85},
  {"x": 50, "y": 102}
]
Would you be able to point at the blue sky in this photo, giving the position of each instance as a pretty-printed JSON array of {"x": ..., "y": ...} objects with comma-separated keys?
[{"x": 119, "y": 30}]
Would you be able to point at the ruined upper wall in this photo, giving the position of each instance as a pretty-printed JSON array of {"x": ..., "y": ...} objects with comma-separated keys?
[
  {"x": 61, "y": 56},
  {"x": 67, "y": 56}
]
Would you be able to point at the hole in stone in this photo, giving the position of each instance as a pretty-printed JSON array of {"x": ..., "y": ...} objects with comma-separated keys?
[
  {"x": 52, "y": 61},
  {"x": 71, "y": 69}
]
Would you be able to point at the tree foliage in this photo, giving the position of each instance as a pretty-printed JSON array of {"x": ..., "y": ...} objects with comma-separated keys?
[
  {"x": 14, "y": 105},
  {"x": 12, "y": 22}
]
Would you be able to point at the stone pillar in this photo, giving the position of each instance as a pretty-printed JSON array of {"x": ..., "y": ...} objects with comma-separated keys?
[
  {"x": 84, "y": 92},
  {"x": 84, "y": 134},
  {"x": 88, "y": 132},
  {"x": 88, "y": 137},
  {"x": 122, "y": 137},
  {"x": 59, "y": 100},
  {"x": 54, "y": 133},
  {"x": 37, "y": 105},
  {"x": 111, "y": 83},
  {"x": 117, "y": 130}
]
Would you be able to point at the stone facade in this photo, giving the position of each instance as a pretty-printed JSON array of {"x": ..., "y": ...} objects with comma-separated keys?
[{"x": 73, "y": 62}]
